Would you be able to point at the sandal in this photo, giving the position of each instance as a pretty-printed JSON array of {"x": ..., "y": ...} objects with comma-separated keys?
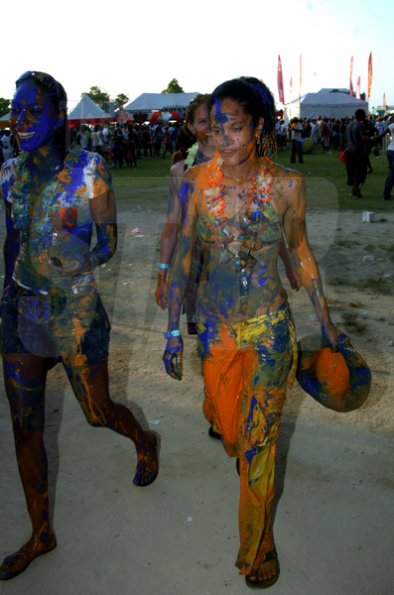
[
  {"x": 213, "y": 434},
  {"x": 267, "y": 582}
]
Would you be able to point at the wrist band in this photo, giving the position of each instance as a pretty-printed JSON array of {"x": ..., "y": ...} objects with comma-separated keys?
[
  {"x": 162, "y": 265},
  {"x": 175, "y": 333}
]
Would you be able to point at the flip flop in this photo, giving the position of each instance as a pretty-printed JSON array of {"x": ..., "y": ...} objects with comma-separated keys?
[{"x": 265, "y": 583}]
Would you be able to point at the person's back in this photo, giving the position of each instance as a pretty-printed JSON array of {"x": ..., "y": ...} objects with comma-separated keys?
[{"x": 355, "y": 133}]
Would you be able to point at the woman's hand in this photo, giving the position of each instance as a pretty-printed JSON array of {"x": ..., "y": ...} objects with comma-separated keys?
[
  {"x": 72, "y": 268},
  {"x": 161, "y": 293},
  {"x": 293, "y": 278},
  {"x": 173, "y": 357},
  {"x": 333, "y": 335}
]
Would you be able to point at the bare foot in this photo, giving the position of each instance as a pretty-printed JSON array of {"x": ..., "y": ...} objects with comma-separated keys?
[
  {"x": 20, "y": 560},
  {"x": 147, "y": 461},
  {"x": 267, "y": 573}
]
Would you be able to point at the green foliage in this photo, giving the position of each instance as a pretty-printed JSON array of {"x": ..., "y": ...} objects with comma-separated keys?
[
  {"x": 120, "y": 100},
  {"x": 100, "y": 97},
  {"x": 4, "y": 106},
  {"x": 173, "y": 87}
]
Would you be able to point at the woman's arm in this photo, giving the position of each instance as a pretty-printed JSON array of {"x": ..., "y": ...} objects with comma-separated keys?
[
  {"x": 11, "y": 246},
  {"x": 103, "y": 213},
  {"x": 178, "y": 278},
  {"x": 304, "y": 261},
  {"x": 169, "y": 235}
]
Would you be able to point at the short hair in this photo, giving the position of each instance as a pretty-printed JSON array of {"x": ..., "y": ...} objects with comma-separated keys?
[{"x": 360, "y": 115}]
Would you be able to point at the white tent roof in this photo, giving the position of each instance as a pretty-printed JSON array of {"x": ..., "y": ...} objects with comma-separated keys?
[
  {"x": 87, "y": 111},
  {"x": 330, "y": 103},
  {"x": 148, "y": 102}
]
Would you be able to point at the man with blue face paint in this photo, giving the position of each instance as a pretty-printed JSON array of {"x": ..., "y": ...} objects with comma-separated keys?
[{"x": 51, "y": 309}]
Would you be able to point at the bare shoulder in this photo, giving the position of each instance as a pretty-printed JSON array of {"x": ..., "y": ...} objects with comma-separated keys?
[
  {"x": 178, "y": 169},
  {"x": 198, "y": 173},
  {"x": 286, "y": 177}
]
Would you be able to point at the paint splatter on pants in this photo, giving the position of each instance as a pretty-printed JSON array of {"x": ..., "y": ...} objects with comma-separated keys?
[{"x": 246, "y": 372}]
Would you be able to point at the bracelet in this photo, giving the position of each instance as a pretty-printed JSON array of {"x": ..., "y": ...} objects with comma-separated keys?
[
  {"x": 169, "y": 334},
  {"x": 162, "y": 265}
]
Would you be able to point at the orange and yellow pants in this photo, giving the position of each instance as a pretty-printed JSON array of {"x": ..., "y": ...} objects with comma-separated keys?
[{"x": 247, "y": 369}]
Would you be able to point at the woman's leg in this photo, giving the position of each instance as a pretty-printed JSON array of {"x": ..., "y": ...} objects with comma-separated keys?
[
  {"x": 90, "y": 384},
  {"x": 25, "y": 378},
  {"x": 245, "y": 391}
]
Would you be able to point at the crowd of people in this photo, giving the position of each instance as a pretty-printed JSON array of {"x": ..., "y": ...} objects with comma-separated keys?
[
  {"x": 122, "y": 144},
  {"x": 330, "y": 133}
]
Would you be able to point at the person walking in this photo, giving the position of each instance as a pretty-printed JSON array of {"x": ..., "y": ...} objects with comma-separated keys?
[
  {"x": 239, "y": 206},
  {"x": 356, "y": 152},
  {"x": 51, "y": 310}
]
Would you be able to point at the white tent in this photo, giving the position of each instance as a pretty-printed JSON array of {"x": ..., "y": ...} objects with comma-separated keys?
[
  {"x": 327, "y": 103},
  {"x": 151, "y": 102},
  {"x": 5, "y": 120},
  {"x": 87, "y": 112}
]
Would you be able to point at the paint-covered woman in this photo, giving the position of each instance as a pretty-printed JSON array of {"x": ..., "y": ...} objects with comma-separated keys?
[
  {"x": 197, "y": 124},
  {"x": 240, "y": 206},
  {"x": 197, "y": 127},
  {"x": 51, "y": 311}
]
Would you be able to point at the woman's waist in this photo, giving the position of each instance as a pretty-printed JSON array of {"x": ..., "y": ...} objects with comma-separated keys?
[{"x": 234, "y": 308}]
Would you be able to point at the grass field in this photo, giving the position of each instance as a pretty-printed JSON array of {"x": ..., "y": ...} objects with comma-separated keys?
[{"x": 325, "y": 178}]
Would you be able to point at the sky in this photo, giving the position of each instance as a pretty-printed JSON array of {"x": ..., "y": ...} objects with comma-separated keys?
[{"x": 132, "y": 46}]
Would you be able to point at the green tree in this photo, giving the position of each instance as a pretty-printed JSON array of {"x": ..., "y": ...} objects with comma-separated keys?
[
  {"x": 100, "y": 97},
  {"x": 120, "y": 100},
  {"x": 173, "y": 87},
  {"x": 4, "y": 106}
]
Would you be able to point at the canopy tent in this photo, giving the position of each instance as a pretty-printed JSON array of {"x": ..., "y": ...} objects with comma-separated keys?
[
  {"x": 122, "y": 117},
  {"x": 87, "y": 112},
  {"x": 327, "y": 103},
  {"x": 151, "y": 102},
  {"x": 5, "y": 120},
  {"x": 159, "y": 106}
]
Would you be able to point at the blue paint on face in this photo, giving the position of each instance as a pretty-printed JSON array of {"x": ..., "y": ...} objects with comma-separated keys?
[
  {"x": 219, "y": 116},
  {"x": 34, "y": 116}
]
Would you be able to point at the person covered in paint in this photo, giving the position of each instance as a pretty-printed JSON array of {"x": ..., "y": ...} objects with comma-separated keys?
[
  {"x": 240, "y": 205},
  {"x": 197, "y": 125},
  {"x": 51, "y": 309}
]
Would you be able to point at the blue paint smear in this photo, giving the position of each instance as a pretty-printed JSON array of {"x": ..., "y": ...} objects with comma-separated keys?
[{"x": 219, "y": 116}]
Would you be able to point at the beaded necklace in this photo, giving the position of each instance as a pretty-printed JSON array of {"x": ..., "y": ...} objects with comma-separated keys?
[
  {"x": 214, "y": 193},
  {"x": 238, "y": 250}
]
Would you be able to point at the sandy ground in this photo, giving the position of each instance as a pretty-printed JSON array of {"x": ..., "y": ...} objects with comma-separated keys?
[{"x": 334, "y": 520}]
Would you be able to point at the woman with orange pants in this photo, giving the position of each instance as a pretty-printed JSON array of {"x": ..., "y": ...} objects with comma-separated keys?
[{"x": 240, "y": 206}]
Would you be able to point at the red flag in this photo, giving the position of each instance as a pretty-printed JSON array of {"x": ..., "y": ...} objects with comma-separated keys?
[
  {"x": 370, "y": 74},
  {"x": 280, "y": 81},
  {"x": 358, "y": 87},
  {"x": 351, "y": 92},
  {"x": 384, "y": 101}
]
